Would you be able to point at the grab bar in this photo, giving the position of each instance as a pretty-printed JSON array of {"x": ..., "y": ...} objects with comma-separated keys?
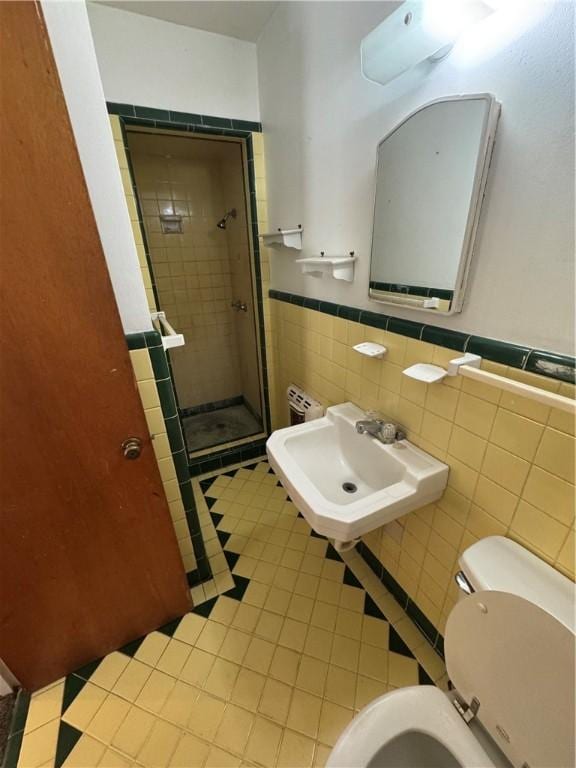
[
  {"x": 469, "y": 367},
  {"x": 170, "y": 338}
]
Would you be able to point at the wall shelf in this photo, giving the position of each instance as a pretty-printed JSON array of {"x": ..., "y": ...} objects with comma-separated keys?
[
  {"x": 289, "y": 238},
  {"x": 338, "y": 267}
]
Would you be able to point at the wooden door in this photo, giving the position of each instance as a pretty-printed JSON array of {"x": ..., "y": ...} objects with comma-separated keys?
[{"x": 88, "y": 555}]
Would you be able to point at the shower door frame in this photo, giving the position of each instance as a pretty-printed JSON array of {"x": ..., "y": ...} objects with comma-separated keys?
[{"x": 163, "y": 122}]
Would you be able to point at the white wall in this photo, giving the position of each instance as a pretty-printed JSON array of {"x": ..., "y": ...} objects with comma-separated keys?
[
  {"x": 71, "y": 40},
  {"x": 154, "y": 63},
  {"x": 322, "y": 122}
]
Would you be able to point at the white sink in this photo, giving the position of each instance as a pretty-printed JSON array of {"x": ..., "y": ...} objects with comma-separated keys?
[{"x": 316, "y": 460}]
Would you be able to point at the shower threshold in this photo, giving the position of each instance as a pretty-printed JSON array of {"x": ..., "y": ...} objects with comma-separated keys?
[{"x": 212, "y": 428}]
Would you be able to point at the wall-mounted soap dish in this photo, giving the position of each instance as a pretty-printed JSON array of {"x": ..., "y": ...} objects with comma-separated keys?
[
  {"x": 289, "y": 238},
  {"x": 370, "y": 349},
  {"x": 338, "y": 267}
]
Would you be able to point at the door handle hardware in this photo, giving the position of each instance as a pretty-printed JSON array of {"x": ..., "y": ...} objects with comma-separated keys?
[{"x": 132, "y": 448}]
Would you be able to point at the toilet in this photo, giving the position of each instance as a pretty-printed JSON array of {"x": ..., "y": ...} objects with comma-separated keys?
[{"x": 510, "y": 657}]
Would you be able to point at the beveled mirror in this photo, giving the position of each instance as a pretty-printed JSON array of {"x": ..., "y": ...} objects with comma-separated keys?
[{"x": 430, "y": 178}]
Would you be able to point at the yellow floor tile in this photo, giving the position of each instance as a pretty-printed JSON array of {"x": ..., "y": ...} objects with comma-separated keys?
[
  {"x": 259, "y": 655},
  {"x": 155, "y": 692},
  {"x": 333, "y": 720},
  {"x": 178, "y": 705},
  {"x": 217, "y": 758},
  {"x": 319, "y": 643},
  {"x": 275, "y": 700},
  {"x": 152, "y": 648},
  {"x": 248, "y": 689},
  {"x": 304, "y": 714},
  {"x": 88, "y": 752},
  {"x": 160, "y": 745},
  {"x": 108, "y": 719},
  {"x": 174, "y": 657},
  {"x": 293, "y": 634},
  {"x": 44, "y": 707},
  {"x": 234, "y": 729},
  {"x": 220, "y": 682},
  {"x": 84, "y": 706},
  {"x": 190, "y": 753},
  {"x": 134, "y": 731},
  {"x": 312, "y": 675},
  {"x": 296, "y": 751},
  {"x": 340, "y": 686},
  {"x": 132, "y": 680},
  {"x": 197, "y": 668},
  {"x": 109, "y": 670},
  {"x": 211, "y": 637},
  {"x": 39, "y": 745},
  {"x": 402, "y": 671},
  {"x": 264, "y": 742},
  {"x": 205, "y": 715}
]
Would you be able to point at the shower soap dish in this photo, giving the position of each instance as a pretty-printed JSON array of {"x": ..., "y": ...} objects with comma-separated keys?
[
  {"x": 289, "y": 238},
  {"x": 338, "y": 267},
  {"x": 370, "y": 349}
]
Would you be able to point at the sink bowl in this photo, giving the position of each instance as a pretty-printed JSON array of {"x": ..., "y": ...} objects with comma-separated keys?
[{"x": 346, "y": 484}]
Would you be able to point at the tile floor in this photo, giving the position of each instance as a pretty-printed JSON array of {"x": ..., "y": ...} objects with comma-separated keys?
[
  {"x": 288, "y": 643},
  {"x": 205, "y": 430}
]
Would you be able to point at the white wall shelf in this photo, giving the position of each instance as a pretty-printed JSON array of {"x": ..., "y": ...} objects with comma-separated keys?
[
  {"x": 338, "y": 267},
  {"x": 289, "y": 238}
]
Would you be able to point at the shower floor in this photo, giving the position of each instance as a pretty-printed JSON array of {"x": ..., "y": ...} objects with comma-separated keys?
[{"x": 204, "y": 430}]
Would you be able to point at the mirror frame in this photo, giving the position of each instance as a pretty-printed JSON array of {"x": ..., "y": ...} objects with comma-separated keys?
[{"x": 478, "y": 190}]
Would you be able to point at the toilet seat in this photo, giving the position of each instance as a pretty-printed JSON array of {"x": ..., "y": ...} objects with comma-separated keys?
[{"x": 422, "y": 709}]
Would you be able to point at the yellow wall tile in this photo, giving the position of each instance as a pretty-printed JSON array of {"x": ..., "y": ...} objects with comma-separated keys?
[{"x": 508, "y": 474}]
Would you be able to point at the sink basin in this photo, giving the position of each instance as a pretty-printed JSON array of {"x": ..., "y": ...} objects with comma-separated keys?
[{"x": 346, "y": 484}]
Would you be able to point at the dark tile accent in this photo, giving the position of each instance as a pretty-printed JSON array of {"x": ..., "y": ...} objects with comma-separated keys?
[
  {"x": 231, "y": 558},
  {"x": 374, "y": 320},
  {"x": 214, "y": 406},
  {"x": 205, "y": 609},
  {"x": 554, "y": 366},
  {"x": 423, "y": 677},
  {"x": 350, "y": 579},
  {"x": 193, "y": 578},
  {"x": 169, "y": 628},
  {"x": 498, "y": 351},
  {"x": 205, "y": 485},
  {"x": 68, "y": 737},
  {"x": 185, "y": 117},
  {"x": 20, "y": 711},
  {"x": 316, "y": 535},
  {"x": 396, "y": 644},
  {"x": 349, "y": 313},
  {"x": 405, "y": 327},
  {"x": 247, "y": 125},
  {"x": 129, "y": 649},
  {"x": 223, "y": 537},
  {"x": 216, "y": 122},
  {"x": 371, "y": 609},
  {"x": 237, "y": 592},
  {"x": 550, "y": 364},
  {"x": 152, "y": 114},
  {"x": 439, "y": 645},
  {"x": 72, "y": 687},
  {"x": 331, "y": 554},
  {"x": 88, "y": 669},
  {"x": 126, "y": 110},
  {"x": 135, "y": 341},
  {"x": 371, "y": 559},
  {"x": 443, "y": 337},
  {"x": 422, "y": 622},
  {"x": 12, "y": 753}
]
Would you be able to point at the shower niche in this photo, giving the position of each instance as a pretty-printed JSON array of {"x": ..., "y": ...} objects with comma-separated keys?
[{"x": 193, "y": 194}]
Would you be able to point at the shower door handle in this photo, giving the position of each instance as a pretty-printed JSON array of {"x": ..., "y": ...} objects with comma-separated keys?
[{"x": 239, "y": 306}]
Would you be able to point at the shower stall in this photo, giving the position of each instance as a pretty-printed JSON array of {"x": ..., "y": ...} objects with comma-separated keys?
[{"x": 193, "y": 194}]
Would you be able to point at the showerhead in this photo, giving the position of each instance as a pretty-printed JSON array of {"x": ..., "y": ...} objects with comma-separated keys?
[{"x": 222, "y": 223}]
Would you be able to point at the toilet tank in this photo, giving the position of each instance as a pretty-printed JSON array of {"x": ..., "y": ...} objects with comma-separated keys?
[{"x": 501, "y": 565}]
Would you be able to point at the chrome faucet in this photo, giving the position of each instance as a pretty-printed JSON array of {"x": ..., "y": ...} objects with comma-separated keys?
[{"x": 382, "y": 430}]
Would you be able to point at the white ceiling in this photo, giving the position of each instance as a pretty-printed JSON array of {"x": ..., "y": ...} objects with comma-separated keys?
[{"x": 243, "y": 19}]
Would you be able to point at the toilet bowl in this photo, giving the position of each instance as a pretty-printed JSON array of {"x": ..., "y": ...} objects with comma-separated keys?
[{"x": 510, "y": 655}]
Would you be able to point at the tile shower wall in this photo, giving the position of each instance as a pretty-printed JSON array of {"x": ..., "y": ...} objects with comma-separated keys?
[
  {"x": 511, "y": 460},
  {"x": 192, "y": 269}
]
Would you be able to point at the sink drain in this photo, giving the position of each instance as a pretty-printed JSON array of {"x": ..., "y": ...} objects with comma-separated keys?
[{"x": 349, "y": 487}]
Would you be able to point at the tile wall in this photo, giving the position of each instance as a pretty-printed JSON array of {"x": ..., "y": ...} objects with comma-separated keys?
[{"x": 511, "y": 460}]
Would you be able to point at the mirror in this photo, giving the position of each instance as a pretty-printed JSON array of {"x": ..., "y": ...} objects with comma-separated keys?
[{"x": 430, "y": 178}]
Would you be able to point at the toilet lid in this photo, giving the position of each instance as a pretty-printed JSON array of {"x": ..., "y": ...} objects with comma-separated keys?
[{"x": 518, "y": 662}]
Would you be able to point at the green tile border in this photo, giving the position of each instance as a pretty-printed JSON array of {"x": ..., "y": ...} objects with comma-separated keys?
[
  {"x": 16, "y": 729},
  {"x": 152, "y": 340},
  {"x": 549, "y": 364}
]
